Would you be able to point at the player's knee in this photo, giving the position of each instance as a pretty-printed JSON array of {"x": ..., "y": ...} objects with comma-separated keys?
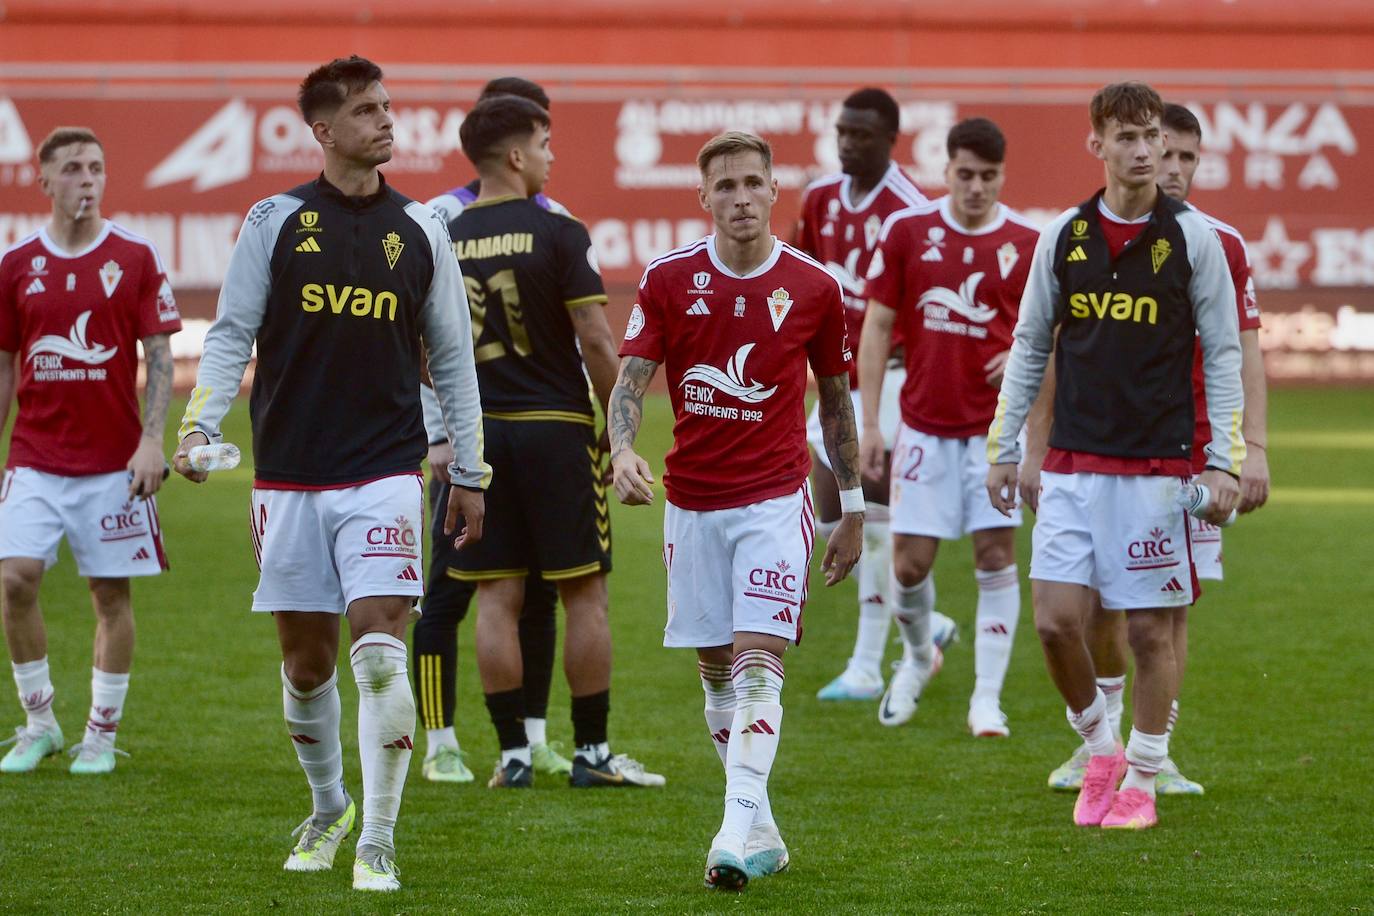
[
  {"x": 110, "y": 597},
  {"x": 1150, "y": 634},
  {"x": 992, "y": 556},
  {"x": 20, "y": 584},
  {"x": 308, "y": 671},
  {"x": 1056, "y": 629},
  {"x": 909, "y": 569}
]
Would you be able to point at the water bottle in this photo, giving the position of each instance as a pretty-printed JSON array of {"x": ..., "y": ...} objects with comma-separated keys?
[
  {"x": 1196, "y": 497},
  {"x": 222, "y": 457}
]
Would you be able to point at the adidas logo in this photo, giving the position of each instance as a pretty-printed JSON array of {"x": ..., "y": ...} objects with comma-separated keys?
[
  {"x": 408, "y": 574},
  {"x": 699, "y": 308},
  {"x": 1000, "y": 629},
  {"x": 309, "y": 244},
  {"x": 784, "y": 615},
  {"x": 932, "y": 254},
  {"x": 142, "y": 554},
  {"x": 402, "y": 743},
  {"x": 760, "y": 727},
  {"x": 35, "y": 287},
  {"x": 304, "y": 739},
  {"x": 1078, "y": 254},
  {"x": 721, "y": 737},
  {"x": 1172, "y": 586}
]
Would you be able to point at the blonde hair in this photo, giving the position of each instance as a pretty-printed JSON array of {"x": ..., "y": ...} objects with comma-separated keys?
[{"x": 734, "y": 141}]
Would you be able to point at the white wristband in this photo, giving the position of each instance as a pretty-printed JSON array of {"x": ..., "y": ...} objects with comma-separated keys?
[{"x": 852, "y": 501}]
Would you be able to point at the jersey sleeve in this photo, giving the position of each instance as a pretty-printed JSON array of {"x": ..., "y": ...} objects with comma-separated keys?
[
  {"x": 242, "y": 304},
  {"x": 645, "y": 330},
  {"x": 10, "y": 338},
  {"x": 1032, "y": 342},
  {"x": 446, "y": 327},
  {"x": 886, "y": 270},
  {"x": 1242, "y": 278},
  {"x": 157, "y": 306},
  {"x": 804, "y": 236},
  {"x": 580, "y": 275},
  {"x": 829, "y": 351},
  {"x": 1214, "y": 297}
]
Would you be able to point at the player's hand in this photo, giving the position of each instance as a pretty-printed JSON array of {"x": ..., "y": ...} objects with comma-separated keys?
[
  {"x": 1029, "y": 485},
  {"x": 1225, "y": 495},
  {"x": 147, "y": 469},
  {"x": 182, "y": 464},
  {"x": 634, "y": 482},
  {"x": 994, "y": 368},
  {"x": 872, "y": 453},
  {"x": 472, "y": 506},
  {"x": 440, "y": 456},
  {"x": 1254, "y": 479},
  {"x": 1002, "y": 487},
  {"x": 843, "y": 549}
]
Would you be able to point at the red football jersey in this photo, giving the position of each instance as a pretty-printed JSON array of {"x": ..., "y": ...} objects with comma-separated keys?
[
  {"x": 1247, "y": 308},
  {"x": 735, "y": 351},
  {"x": 75, "y": 320},
  {"x": 843, "y": 236},
  {"x": 956, "y": 294}
]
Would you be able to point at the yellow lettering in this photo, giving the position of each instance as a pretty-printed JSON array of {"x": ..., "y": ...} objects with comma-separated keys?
[
  {"x": 1121, "y": 306},
  {"x": 387, "y": 299},
  {"x": 359, "y": 300},
  {"x": 1100, "y": 305},
  {"x": 1078, "y": 305},
  {"x": 337, "y": 299},
  {"x": 310, "y": 297},
  {"x": 362, "y": 302},
  {"x": 1140, "y": 305}
]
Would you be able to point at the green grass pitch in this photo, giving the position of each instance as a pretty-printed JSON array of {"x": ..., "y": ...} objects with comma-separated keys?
[{"x": 1276, "y": 719}]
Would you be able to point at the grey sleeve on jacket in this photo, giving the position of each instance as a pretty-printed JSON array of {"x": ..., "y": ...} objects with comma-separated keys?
[
  {"x": 434, "y": 416},
  {"x": 1214, "y": 312},
  {"x": 1032, "y": 342},
  {"x": 445, "y": 326},
  {"x": 242, "y": 302}
]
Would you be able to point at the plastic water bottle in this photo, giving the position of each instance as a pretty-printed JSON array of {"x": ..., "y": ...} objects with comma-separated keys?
[
  {"x": 222, "y": 457},
  {"x": 1196, "y": 497}
]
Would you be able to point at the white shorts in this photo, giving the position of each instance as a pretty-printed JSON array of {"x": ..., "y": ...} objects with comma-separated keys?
[
  {"x": 939, "y": 487},
  {"x": 111, "y": 535},
  {"x": 320, "y": 550},
  {"x": 737, "y": 570},
  {"x": 1206, "y": 539},
  {"x": 1121, "y": 534},
  {"x": 889, "y": 415}
]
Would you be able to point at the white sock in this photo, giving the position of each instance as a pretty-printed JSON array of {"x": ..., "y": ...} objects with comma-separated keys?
[
  {"x": 386, "y": 720},
  {"x": 36, "y": 693},
  {"x": 999, "y": 608},
  {"x": 107, "y": 708},
  {"x": 436, "y": 738},
  {"x": 875, "y": 614},
  {"x": 536, "y": 730},
  {"x": 593, "y": 753},
  {"x": 1173, "y": 719},
  {"x": 1114, "y": 689},
  {"x": 521, "y": 754},
  {"x": 1146, "y": 755},
  {"x": 720, "y": 718},
  {"x": 753, "y": 744},
  {"x": 312, "y": 720},
  {"x": 1091, "y": 725},
  {"x": 911, "y": 607}
]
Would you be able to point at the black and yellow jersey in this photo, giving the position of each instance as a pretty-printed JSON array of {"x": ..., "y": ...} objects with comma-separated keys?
[{"x": 524, "y": 269}]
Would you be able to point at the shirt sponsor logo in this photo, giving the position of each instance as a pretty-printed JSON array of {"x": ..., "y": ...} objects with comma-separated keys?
[
  {"x": 358, "y": 300},
  {"x": 940, "y": 303},
  {"x": 701, "y": 383},
  {"x": 48, "y": 352},
  {"x": 167, "y": 303},
  {"x": 1155, "y": 551},
  {"x": 125, "y": 524},
  {"x": 1114, "y": 306},
  {"x": 391, "y": 540},
  {"x": 776, "y": 583}
]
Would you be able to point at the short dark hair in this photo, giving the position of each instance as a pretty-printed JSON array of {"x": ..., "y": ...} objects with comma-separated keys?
[
  {"x": 517, "y": 85},
  {"x": 64, "y": 136},
  {"x": 731, "y": 143},
  {"x": 1179, "y": 120},
  {"x": 872, "y": 99},
  {"x": 980, "y": 137},
  {"x": 1125, "y": 103},
  {"x": 329, "y": 86},
  {"x": 495, "y": 120}
]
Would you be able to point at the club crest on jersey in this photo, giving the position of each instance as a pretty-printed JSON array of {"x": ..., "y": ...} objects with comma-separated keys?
[
  {"x": 37, "y": 266},
  {"x": 779, "y": 304},
  {"x": 739, "y": 306},
  {"x": 1159, "y": 253},
  {"x": 1007, "y": 256},
  {"x": 1079, "y": 227},
  {"x": 872, "y": 226},
  {"x": 110, "y": 275},
  {"x": 309, "y": 221},
  {"x": 392, "y": 245}
]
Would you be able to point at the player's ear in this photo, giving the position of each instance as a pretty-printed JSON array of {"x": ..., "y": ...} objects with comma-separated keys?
[
  {"x": 701, "y": 196},
  {"x": 773, "y": 197},
  {"x": 1094, "y": 144},
  {"x": 323, "y": 133},
  {"x": 515, "y": 157}
]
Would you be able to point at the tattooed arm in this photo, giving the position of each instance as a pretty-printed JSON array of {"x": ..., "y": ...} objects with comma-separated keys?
[
  {"x": 633, "y": 479},
  {"x": 147, "y": 464},
  {"x": 842, "y": 446}
]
